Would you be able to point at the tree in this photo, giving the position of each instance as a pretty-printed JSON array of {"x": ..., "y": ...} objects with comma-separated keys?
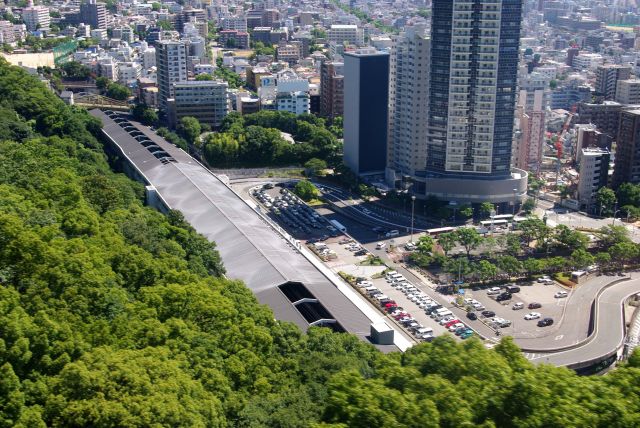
[
  {"x": 469, "y": 238},
  {"x": 509, "y": 265},
  {"x": 425, "y": 244},
  {"x": 458, "y": 267},
  {"x": 606, "y": 199},
  {"x": 204, "y": 77},
  {"x": 144, "y": 114},
  {"x": 580, "y": 258},
  {"x": 486, "y": 270},
  {"x": 447, "y": 242},
  {"x": 529, "y": 205},
  {"x": 75, "y": 70},
  {"x": 603, "y": 259},
  {"x": 315, "y": 166},
  {"x": 610, "y": 235},
  {"x": 486, "y": 208},
  {"x": 155, "y": 6},
  {"x": 466, "y": 211},
  {"x": 306, "y": 190},
  {"x": 189, "y": 129},
  {"x": 570, "y": 239},
  {"x": 628, "y": 194},
  {"x": 102, "y": 83},
  {"x": 512, "y": 244},
  {"x": 118, "y": 92},
  {"x": 623, "y": 252}
]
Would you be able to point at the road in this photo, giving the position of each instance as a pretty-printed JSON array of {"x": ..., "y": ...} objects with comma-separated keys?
[{"x": 608, "y": 335}]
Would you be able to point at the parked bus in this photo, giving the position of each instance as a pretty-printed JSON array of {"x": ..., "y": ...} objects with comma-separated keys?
[
  {"x": 439, "y": 231},
  {"x": 489, "y": 223},
  {"x": 338, "y": 226},
  {"x": 503, "y": 217}
]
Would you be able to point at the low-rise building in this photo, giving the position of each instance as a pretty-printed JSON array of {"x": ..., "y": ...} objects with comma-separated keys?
[{"x": 628, "y": 91}]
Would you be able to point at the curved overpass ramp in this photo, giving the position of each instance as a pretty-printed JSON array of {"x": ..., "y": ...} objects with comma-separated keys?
[{"x": 606, "y": 340}]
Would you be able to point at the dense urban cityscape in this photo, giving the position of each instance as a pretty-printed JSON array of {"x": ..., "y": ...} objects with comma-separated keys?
[{"x": 319, "y": 213}]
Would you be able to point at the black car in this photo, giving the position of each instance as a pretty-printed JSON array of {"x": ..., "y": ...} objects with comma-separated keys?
[
  {"x": 513, "y": 289},
  {"x": 503, "y": 296},
  {"x": 545, "y": 322},
  {"x": 534, "y": 305},
  {"x": 488, "y": 314},
  {"x": 472, "y": 316},
  {"x": 360, "y": 253}
]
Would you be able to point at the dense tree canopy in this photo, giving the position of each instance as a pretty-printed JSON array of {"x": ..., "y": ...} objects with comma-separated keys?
[
  {"x": 256, "y": 140},
  {"x": 112, "y": 314}
]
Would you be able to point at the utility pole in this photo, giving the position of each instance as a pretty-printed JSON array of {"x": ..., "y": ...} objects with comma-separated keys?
[{"x": 413, "y": 202}]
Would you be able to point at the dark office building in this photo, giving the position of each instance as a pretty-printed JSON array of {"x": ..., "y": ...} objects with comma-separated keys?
[
  {"x": 627, "y": 163},
  {"x": 94, "y": 14},
  {"x": 366, "y": 104}
]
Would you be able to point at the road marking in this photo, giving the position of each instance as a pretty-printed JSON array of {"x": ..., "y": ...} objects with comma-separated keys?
[{"x": 558, "y": 337}]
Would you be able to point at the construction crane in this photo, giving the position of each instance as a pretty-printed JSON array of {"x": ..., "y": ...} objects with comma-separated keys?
[{"x": 559, "y": 145}]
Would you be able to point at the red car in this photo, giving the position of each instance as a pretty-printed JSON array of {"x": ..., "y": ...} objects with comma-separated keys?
[
  {"x": 400, "y": 316},
  {"x": 452, "y": 322},
  {"x": 391, "y": 303}
]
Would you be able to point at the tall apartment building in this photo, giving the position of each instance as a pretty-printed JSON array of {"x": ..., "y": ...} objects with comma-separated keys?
[
  {"x": 627, "y": 163},
  {"x": 366, "y": 99},
  {"x": 472, "y": 90},
  {"x": 408, "y": 105},
  {"x": 171, "y": 63},
  {"x": 340, "y": 34},
  {"x": 6, "y": 32},
  {"x": 628, "y": 91},
  {"x": 532, "y": 128},
  {"x": 607, "y": 77},
  {"x": 36, "y": 17},
  {"x": 331, "y": 89},
  {"x": 206, "y": 100},
  {"x": 594, "y": 172},
  {"x": 94, "y": 14}
]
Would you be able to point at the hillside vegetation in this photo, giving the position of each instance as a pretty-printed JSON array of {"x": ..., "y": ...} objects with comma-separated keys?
[{"x": 113, "y": 315}]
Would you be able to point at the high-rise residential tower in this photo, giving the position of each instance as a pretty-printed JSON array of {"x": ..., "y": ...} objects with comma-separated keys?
[
  {"x": 366, "y": 90},
  {"x": 171, "y": 61},
  {"x": 331, "y": 89},
  {"x": 94, "y": 14},
  {"x": 408, "y": 106},
  {"x": 472, "y": 93}
]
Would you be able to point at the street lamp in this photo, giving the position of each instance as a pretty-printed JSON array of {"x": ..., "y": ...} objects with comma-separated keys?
[
  {"x": 413, "y": 203},
  {"x": 615, "y": 211}
]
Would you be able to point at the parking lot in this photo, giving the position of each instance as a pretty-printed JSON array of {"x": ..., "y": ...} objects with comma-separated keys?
[
  {"x": 350, "y": 257},
  {"x": 551, "y": 307},
  {"x": 285, "y": 208}
]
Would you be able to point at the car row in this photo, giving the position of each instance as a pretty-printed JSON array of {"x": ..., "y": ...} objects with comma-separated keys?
[
  {"x": 291, "y": 210},
  {"x": 436, "y": 311}
]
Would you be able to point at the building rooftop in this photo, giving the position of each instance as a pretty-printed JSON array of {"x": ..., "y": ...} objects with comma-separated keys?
[{"x": 251, "y": 249}]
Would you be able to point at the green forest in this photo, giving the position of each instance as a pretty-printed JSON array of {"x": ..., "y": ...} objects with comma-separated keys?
[{"x": 113, "y": 315}]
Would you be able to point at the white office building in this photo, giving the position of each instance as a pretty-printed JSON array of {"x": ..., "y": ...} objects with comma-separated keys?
[
  {"x": 628, "y": 91},
  {"x": 350, "y": 34},
  {"x": 408, "y": 104}
]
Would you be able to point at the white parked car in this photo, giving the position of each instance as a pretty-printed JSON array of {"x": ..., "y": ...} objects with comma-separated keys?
[
  {"x": 380, "y": 245},
  {"x": 456, "y": 326},
  {"x": 560, "y": 294},
  {"x": 494, "y": 290},
  {"x": 532, "y": 316},
  {"x": 517, "y": 306}
]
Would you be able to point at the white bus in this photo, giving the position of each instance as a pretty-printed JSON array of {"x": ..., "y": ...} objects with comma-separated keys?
[
  {"x": 338, "y": 225},
  {"x": 439, "y": 231},
  {"x": 489, "y": 223}
]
